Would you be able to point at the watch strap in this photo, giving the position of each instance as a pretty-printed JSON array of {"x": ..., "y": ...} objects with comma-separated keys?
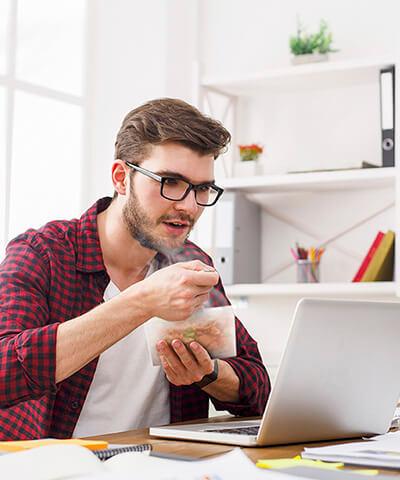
[{"x": 209, "y": 378}]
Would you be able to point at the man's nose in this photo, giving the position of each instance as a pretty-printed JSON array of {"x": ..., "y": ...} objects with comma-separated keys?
[{"x": 188, "y": 204}]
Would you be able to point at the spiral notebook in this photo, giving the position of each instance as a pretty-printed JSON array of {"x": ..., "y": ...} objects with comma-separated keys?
[{"x": 107, "y": 453}]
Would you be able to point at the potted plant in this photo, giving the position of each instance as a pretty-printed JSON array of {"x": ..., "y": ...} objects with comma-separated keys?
[
  {"x": 311, "y": 47},
  {"x": 250, "y": 152},
  {"x": 249, "y": 159}
]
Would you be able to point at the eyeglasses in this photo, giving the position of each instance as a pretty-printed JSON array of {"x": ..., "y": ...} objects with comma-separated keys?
[{"x": 176, "y": 189}]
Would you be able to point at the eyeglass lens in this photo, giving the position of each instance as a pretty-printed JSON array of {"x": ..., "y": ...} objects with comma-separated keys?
[{"x": 175, "y": 189}]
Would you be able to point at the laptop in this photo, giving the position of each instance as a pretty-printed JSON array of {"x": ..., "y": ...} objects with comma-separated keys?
[{"x": 339, "y": 377}]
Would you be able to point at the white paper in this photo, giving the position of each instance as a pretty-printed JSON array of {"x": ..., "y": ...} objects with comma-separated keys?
[
  {"x": 387, "y": 436},
  {"x": 382, "y": 451},
  {"x": 52, "y": 462},
  {"x": 234, "y": 465},
  {"x": 67, "y": 462}
]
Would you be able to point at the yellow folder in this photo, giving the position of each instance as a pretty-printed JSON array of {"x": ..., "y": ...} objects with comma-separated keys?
[
  {"x": 15, "y": 446},
  {"x": 380, "y": 267}
]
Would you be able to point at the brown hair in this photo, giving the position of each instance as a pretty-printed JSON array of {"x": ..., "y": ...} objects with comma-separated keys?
[{"x": 169, "y": 120}]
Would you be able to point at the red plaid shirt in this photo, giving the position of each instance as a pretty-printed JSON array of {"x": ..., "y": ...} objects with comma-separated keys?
[{"x": 57, "y": 273}]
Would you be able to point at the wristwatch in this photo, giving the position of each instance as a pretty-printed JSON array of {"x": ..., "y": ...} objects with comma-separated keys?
[{"x": 211, "y": 377}]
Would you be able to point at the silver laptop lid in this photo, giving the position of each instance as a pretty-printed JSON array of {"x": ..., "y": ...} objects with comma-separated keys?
[{"x": 340, "y": 373}]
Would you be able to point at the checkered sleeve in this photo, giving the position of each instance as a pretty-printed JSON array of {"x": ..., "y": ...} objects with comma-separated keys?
[
  {"x": 254, "y": 386},
  {"x": 27, "y": 340}
]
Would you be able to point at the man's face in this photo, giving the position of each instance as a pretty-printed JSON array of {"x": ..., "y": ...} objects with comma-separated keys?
[{"x": 155, "y": 222}]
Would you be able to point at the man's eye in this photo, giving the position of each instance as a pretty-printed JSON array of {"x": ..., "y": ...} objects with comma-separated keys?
[
  {"x": 171, "y": 181},
  {"x": 203, "y": 188}
]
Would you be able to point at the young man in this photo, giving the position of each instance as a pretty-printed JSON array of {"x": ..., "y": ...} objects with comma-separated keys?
[{"x": 75, "y": 295}]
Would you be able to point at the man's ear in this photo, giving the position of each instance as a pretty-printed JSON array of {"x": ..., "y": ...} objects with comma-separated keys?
[{"x": 120, "y": 177}]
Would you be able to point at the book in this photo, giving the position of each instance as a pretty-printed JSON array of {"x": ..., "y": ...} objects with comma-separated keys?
[
  {"x": 381, "y": 266},
  {"x": 62, "y": 462},
  {"x": 368, "y": 257}
]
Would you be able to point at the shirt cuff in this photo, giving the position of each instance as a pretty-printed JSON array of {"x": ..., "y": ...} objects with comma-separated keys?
[
  {"x": 253, "y": 389},
  {"x": 36, "y": 353}
]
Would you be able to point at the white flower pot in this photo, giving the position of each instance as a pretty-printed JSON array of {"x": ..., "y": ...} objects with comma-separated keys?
[
  {"x": 309, "y": 58},
  {"x": 250, "y": 168}
]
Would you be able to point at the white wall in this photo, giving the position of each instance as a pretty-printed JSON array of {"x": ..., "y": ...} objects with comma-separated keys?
[
  {"x": 127, "y": 67},
  {"x": 238, "y": 35}
]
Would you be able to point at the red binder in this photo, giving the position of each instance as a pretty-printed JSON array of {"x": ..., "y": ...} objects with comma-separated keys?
[{"x": 372, "y": 249}]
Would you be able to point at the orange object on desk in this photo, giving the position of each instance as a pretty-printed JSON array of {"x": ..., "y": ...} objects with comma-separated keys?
[{"x": 18, "y": 445}]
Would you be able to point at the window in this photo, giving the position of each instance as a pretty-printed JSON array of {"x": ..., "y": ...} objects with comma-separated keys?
[
  {"x": 42, "y": 106},
  {"x": 2, "y": 166},
  {"x": 5, "y": 6}
]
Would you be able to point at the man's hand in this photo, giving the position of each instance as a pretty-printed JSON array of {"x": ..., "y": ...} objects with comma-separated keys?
[
  {"x": 182, "y": 365},
  {"x": 185, "y": 365},
  {"x": 175, "y": 292}
]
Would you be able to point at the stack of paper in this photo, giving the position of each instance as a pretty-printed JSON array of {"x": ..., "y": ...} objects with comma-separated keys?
[{"x": 381, "y": 451}]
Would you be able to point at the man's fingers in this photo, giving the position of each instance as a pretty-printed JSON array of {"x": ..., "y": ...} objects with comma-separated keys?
[
  {"x": 169, "y": 355},
  {"x": 198, "y": 266},
  {"x": 201, "y": 274},
  {"x": 199, "y": 291},
  {"x": 202, "y": 297},
  {"x": 185, "y": 355},
  {"x": 203, "y": 279},
  {"x": 168, "y": 370},
  {"x": 200, "y": 354}
]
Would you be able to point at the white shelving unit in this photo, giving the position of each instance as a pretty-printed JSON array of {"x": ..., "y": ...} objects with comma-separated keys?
[
  {"x": 323, "y": 74},
  {"x": 313, "y": 181},
  {"x": 371, "y": 289},
  {"x": 298, "y": 78}
]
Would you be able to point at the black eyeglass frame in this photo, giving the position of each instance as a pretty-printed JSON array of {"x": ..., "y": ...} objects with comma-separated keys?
[{"x": 190, "y": 187}]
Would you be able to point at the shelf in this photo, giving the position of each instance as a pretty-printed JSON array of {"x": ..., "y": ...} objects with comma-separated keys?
[
  {"x": 300, "y": 77},
  {"x": 313, "y": 181},
  {"x": 366, "y": 289}
]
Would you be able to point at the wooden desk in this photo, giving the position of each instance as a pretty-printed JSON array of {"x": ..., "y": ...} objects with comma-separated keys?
[{"x": 201, "y": 449}]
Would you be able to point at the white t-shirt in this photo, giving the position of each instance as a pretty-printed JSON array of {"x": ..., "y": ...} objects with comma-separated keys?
[{"x": 127, "y": 392}]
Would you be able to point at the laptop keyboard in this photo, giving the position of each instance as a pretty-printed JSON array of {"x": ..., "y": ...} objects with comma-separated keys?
[{"x": 238, "y": 430}]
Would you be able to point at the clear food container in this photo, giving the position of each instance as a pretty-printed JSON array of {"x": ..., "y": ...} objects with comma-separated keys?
[{"x": 213, "y": 328}]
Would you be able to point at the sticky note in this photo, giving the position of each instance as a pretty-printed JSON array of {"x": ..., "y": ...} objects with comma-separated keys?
[{"x": 296, "y": 462}]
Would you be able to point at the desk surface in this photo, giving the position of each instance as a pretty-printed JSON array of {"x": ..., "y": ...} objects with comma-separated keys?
[{"x": 201, "y": 449}]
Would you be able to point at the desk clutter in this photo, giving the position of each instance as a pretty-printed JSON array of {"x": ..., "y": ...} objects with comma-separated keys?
[
  {"x": 301, "y": 467},
  {"x": 67, "y": 462},
  {"x": 70, "y": 460},
  {"x": 382, "y": 451},
  {"x": 77, "y": 459},
  {"x": 102, "y": 449}
]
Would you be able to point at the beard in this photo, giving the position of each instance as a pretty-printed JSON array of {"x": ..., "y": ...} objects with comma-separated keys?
[{"x": 141, "y": 226}]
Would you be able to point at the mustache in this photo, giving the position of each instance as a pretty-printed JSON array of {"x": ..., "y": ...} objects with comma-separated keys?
[{"x": 180, "y": 217}]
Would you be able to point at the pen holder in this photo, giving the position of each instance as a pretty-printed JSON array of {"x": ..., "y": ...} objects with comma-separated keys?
[{"x": 307, "y": 271}]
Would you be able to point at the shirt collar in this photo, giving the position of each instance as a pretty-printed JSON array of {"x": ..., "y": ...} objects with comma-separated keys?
[{"x": 89, "y": 255}]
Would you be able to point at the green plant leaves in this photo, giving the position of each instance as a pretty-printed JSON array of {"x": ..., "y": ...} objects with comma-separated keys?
[{"x": 304, "y": 43}]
